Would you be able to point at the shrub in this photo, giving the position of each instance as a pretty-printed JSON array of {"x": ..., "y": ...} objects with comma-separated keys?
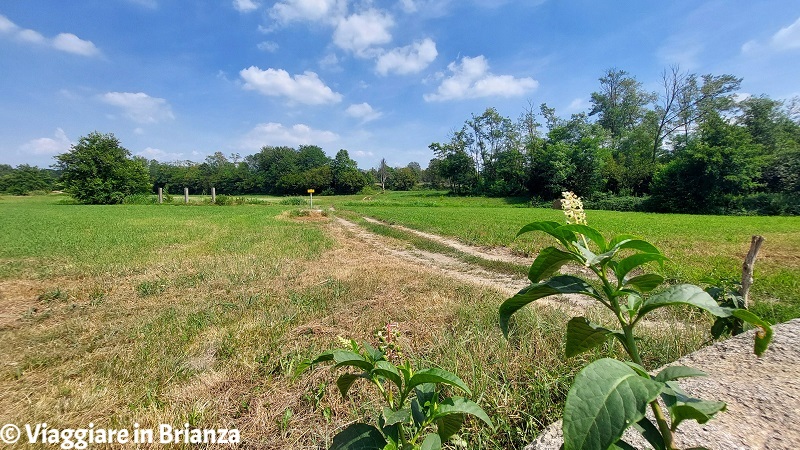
[
  {"x": 293, "y": 201},
  {"x": 140, "y": 199},
  {"x": 610, "y": 202}
]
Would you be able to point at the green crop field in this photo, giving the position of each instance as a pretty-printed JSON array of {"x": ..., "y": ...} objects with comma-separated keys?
[{"x": 201, "y": 314}]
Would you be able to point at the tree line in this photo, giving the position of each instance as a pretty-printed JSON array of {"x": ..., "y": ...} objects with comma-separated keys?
[
  {"x": 98, "y": 169},
  {"x": 691, "y": 147}
]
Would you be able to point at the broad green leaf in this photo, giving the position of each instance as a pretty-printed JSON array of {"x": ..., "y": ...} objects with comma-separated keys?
[
  {"x": 763, "y": 334},
  {"x": 646, "y": 282},
  {"x": 373, "y": 353},
  {"x": 358, "y": 436},
  {"x": 621, "y": 237},
  {"x": 587, "y": 231},
  {"x": 551, "y": 228},
  {"x": 633, "y": 304},
  {"x": 345, "y": 381},
  {"x": 683, "y": 407},
  {"x": 460, "y": 405},
  {"x": 637, "y": 368},
  {"x": 388, "y": 371},
  {"x": 625, "y": 265},
  {"x": 562, "y": 284},
  {"x": 392, "y": 417},
  {"x": 425, "y": 392},
  {"x": 547, "y": 262},
  {"x": 684, "y": 294},
  {"x": 324, "y": 357},
  {"x": 344, "y": 358},
  {"x": 432, "y": 442},
  {"x": 636, "y": 244},
  {"x": 675, "y": 372},
  {"x": 606, "y": 398},
  {"x": 583, "y": 335},
  {"x": 449, "y": 425},
  {"x": 651, "y": 433},
  {"x": 437, "y": 376},
  {"x": 417, "y": 411}
]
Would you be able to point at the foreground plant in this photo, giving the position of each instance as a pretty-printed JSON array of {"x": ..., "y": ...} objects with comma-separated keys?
[
  {"x": 608, "y": 396},
  {"x": 415, "y": 402}
]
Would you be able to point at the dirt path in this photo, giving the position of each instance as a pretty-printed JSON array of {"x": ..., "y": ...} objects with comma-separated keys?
[{"x": 457, "y": 269}]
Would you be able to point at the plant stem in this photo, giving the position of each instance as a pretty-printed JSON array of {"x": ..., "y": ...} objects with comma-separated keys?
[{"x": 663, "y": 425}]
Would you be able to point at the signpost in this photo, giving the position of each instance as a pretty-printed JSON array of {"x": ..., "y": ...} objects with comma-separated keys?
[{"x": 311, "y": 194}]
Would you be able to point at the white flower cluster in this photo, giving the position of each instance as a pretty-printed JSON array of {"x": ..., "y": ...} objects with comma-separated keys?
[{"x": 573, "y": 208}]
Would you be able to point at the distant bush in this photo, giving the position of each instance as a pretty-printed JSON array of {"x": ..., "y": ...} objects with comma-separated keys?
[
  {"x": 610, "y": 202},
  {"x": 766, "y": 204},
  {"x": 368, "y": 190},
  {"x": 293, "y": 201},
  {"x": 140, "y": 199}
]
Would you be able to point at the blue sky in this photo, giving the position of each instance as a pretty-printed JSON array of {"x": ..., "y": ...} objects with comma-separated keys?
[{"x": 177, "y": 80}]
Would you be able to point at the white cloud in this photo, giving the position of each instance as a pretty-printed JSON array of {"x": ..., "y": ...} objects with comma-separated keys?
[
  {"x": 307, "y": 10},
  {"x": 471, "y": 79},
  {"x": 330, "y": 62},
  {"x": 359, "y": 32},
  {"x": 245, "y": 6},
  {"x": 31, "y": 36},
  {"x": 48, "y": 146},
  {"x": 306, "y": 88},
  {"x": 363, "y": 111},
  {"x": 787, "y": 38},
  {"x": 276, "y": 134},
  {"x": 139, "y": 106},
  {"x": 68, "y": 42},
  {"x": 741, "y": 96},
  {"x": 7, "y": 26},
  {"x": 268, "y": 46},
  {"x": 160, "y": 155},
  {"x": 362, "y": 154},
  {"x": 578, "y": 104},
  {"x": 409, "y": 59}
]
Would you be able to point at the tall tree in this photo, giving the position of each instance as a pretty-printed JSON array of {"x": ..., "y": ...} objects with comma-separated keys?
[
  {"x": 620, "y": 103},
  {"x": 682, "y": 102},
  {"x": 99, "y": 170}
]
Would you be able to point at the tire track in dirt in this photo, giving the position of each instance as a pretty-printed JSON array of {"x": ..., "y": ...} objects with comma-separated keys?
[{"x": 458, "y": 269}]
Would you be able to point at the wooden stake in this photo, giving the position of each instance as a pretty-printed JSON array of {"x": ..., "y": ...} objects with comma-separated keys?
[
  {"x": 213, "y": 195},
  {"x": 747, "y": 267},
  {"x": 185, "y": 195},
  {"x": 160, "y": 195}
]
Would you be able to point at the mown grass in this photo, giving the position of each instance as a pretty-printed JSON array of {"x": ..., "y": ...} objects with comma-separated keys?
[
  {"x": 698, "y": 246},
  {"x": 168, "y": 314}
]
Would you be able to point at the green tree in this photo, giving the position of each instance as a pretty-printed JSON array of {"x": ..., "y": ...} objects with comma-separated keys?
[
  {"x": 347, "y": 179},
  {"x": 620, "y": 103},
  {"x": 24, "y": 179},
  {"x": 403, "y": 179},
  {"x": 715, "y": 167},
  {"x": 98, "y": 170}
]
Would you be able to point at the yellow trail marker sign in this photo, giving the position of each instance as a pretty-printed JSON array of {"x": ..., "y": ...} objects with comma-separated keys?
[{"x": 310, "y": 191}]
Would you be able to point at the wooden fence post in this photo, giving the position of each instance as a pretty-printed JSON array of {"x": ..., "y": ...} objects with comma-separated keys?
[
  {"x": 747, "y": 267},
  {"x": 213, "y": 195},
  {"x": 160, "y": 195},
  {"x": 186, "y": 195}
]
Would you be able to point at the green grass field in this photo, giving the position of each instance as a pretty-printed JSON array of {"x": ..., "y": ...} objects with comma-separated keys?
[
  {"x": 698, "y": 246},
  {"x": 200, "y": 314}
]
